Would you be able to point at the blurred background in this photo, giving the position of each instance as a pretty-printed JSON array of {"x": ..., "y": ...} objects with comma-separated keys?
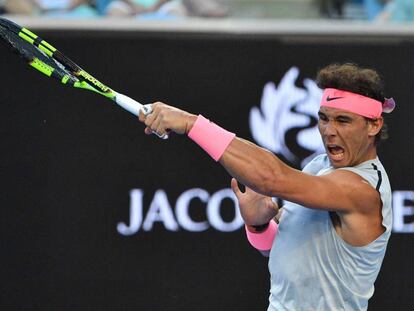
[
  {"x": 373, "y": 10},
  {"x": 95, "y": 215}
]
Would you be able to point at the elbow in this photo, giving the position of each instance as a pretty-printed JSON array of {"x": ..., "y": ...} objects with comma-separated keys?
[{"x": 267, "y": 175}]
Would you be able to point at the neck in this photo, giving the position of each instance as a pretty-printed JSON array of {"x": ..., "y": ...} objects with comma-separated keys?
[{"x": 370, "y": 154}]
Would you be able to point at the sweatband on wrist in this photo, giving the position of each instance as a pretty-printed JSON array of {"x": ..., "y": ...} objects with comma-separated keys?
[
  {"x": 263, "y": 241},
  {"x": 212, "y": 138}
]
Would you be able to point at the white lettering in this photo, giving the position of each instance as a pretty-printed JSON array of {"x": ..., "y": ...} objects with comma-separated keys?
[
  {"x": 403, "y": 207},
  {"x": 160, "y": 210},
  {"x": 213, "y": 211},
  {"x": 135, "y": 211},
  {"x": 182, "y": 207}
]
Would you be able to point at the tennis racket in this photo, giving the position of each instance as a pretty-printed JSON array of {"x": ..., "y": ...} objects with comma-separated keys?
[{"x": 43, "y": 57}]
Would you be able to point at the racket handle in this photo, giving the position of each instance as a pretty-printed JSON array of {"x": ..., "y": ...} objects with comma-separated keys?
[
  {"x": 128, "y": 104},
  {"x": 135, "y": 107}
]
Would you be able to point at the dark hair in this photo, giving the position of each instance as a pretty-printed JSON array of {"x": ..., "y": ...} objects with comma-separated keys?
[{"x": 352, "y": 78}]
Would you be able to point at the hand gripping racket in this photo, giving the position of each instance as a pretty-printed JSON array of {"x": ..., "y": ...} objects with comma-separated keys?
[{"x": 48, "y": 60}]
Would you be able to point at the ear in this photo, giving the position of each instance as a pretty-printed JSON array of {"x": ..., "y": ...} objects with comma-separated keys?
[{"x": 374, "y": 126}]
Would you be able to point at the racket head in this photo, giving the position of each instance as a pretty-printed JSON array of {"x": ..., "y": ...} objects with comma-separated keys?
[
  {"x": 45, "y": 58},
  {"x": 9, "y": 33}
]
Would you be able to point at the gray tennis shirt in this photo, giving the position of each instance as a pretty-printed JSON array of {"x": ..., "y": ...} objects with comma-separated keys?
[{"x": 311, "y": 267}]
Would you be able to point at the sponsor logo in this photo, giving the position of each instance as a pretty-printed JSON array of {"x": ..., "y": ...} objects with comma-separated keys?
[
  {"x": 95, "y": 82},
  {"x": 178, "y": 217},
  {"x": 328, "y": 99},
  {"x": 286, "y": 121}
]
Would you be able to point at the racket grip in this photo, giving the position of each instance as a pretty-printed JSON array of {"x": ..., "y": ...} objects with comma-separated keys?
[
  {"x": 135, "y": 107},
  {"x": 128, "y": 104}
]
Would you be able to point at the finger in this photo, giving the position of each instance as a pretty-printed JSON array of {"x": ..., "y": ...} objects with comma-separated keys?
[
  {"x": 160, "y": 127},
  {"x": 235, "y": 187},
  {"x": 161, "y": 132},
  {"x": 145, "y": 111},
  {"x": 149, "y": 119},
  {"x": 156, "y": 126},
  {"x": 156, "y": 105},
  {"x": 141, "y": 116},
  {"x": 148, "y": 131}
]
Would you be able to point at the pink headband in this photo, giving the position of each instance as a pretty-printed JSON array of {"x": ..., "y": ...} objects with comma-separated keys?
[{"x": 356, "y": 103}]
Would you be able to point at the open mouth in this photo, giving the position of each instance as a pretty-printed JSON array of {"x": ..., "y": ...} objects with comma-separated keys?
[{"x": 336, "y": 152}]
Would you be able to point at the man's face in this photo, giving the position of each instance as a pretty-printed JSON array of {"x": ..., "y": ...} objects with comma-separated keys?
[{"x": 348, "y": 138}]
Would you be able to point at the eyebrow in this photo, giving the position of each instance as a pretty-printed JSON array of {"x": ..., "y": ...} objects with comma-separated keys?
[
  {"x": 344, "y": 117},
  {"x": 338, "y": 117},
  {"x": 321, "y": 114}
]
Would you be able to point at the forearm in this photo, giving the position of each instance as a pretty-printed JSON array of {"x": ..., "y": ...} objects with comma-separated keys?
[{"x": 253, "y": 166}]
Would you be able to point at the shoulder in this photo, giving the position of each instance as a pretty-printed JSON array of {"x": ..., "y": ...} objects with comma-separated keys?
[
  {"x": 372, "y": 171},
  {"x": 359, "y": 189}
]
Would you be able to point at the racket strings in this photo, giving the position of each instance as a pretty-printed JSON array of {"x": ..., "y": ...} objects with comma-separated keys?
[
  {"x": 35, "y": 56},
  {"x": 47, "y": 59},
  {"x": 24, "y": 51}
]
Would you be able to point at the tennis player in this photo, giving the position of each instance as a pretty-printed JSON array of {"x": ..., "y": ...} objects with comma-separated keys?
[{"x": 328, "y": 241}]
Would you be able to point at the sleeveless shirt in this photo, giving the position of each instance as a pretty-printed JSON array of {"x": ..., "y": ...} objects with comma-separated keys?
[{"x": 311, "y": 267}]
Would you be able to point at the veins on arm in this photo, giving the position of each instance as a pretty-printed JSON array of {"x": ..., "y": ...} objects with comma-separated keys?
[{"x": 253, "y": 166}]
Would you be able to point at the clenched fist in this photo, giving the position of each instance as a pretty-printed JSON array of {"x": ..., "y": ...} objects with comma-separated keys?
[{"x": 162, "y": 119}]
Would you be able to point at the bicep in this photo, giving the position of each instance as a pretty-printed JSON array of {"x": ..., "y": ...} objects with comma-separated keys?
[{"x": 341, "y": 191}]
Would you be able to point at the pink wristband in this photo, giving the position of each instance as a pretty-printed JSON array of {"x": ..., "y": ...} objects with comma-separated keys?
[
  {"x": 211, "y": 137},
  {"x": 263, "y": 241}
]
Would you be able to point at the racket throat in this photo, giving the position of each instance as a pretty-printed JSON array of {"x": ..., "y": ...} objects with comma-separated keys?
[{"x": 85, "y": 85}]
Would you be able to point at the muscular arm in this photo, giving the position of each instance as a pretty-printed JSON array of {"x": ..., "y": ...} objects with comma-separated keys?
[
  {"x": 253, "y": 166},
  {"x": 262, "y": 171}
]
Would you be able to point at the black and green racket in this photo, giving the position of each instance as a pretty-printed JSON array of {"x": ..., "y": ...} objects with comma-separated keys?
[{"x": 48, "y": 60}]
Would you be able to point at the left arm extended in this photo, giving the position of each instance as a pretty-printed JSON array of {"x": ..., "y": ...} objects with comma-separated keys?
[{"x": 263, "y": 172}]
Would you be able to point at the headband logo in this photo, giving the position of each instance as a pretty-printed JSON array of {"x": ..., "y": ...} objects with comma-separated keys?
[{"x": 328, "y": 99}]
